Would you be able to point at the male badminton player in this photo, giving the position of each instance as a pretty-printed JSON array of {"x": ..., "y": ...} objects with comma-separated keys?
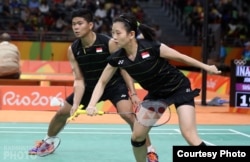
[{"x": 87, "y": 56}]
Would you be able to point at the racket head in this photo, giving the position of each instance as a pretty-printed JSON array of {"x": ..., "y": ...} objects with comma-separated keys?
[
  {"x": 153, "y": 113},
  {"x": 55, "y": 142}
]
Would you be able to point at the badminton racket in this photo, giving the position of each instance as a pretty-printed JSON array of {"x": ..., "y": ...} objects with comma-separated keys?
[
  {"x": 148, "y": 113},
  {"x": 52, "y": 143},
  {"x": 48, "y": 146},
  {"x": 153, "y": 113},
  {"x": 73, "y": 116},
  {"x": 56, "y": 102}
]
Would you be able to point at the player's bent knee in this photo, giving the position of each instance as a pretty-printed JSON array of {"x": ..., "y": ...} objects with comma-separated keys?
[
  {"x": 61, "y": 116},
  {"x": 128, "y": 117},
  {"x": 64, "y": 111},
  {"x": 138, "y": 144}
]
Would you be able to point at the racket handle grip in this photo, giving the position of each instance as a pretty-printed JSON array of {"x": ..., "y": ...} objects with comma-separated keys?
[
  {"x": 85, "y": 112},
  {"x": 75, "y": 113}
]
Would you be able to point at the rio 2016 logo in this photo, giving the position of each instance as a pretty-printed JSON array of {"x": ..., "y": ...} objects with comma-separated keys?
[{"x": 33, "y": 99}]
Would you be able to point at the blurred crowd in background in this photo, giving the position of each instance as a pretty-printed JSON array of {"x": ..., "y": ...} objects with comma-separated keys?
[
  {"x": 53, "y": 16},
  {"x": 28, "y": 19},
  {"x": 232, "y": 17}
]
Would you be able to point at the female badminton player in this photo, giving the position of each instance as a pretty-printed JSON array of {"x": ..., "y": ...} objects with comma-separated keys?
[{"x": 146, "y": 61}]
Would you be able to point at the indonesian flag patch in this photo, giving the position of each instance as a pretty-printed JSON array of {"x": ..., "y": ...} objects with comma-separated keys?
[
  {"x": 145, "y": 54},
  {"x": 99, "y": 49}
]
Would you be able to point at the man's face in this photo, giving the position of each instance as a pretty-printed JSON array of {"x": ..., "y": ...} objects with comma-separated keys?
[{"x": 81, "y": 27}]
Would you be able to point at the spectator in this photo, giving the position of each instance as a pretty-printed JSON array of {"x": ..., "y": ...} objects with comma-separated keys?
[
  {"x": 69, "y": 3},
  {"x": 9, "y": 58},
  {"x": 33, "y": 6},
  {"x": 89, "y": 4},
  {"x": 21, "y": 30},
  {"x": 57, "y": 1},
  {"x": 61, "y": 24},
  {"x": 6, "y": 9},
  {"x": 49, "y": 21},
  {"x": 101, "y": 12},
  {"x": 44, "y": 7},
  {"x": 24, "y": 14},
  {"x": 100, "y": 16},
  {"x": 15, "y": 6},
  {"x": 112, "y": 12},
  {"x": 246, "y": 52}
]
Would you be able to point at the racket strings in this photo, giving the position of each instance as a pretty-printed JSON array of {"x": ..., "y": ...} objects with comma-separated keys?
[
  {"x": 48, "y": 146},
  {"x": 153, "y": 113},
  {"x": 165, "y": 117}
]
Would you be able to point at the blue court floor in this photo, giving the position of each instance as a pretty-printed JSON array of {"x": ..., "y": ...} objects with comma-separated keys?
[{"x": 106, "y": 142}]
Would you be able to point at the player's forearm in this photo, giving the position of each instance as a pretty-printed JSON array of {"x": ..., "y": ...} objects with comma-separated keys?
[
  {"x": 193, "y": 62},
  {"x": 131, "y": 86},
  {"x": 78, "y": 91},
  {"x": 97, "y": 93},
  {"x": 129, "y": 82}
]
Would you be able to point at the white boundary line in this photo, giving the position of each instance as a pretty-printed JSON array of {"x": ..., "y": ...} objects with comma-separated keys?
[
  {"x": 111, "y": 128},
  {"x": 107, "y": 132},
  {"x": 237, "y": 132},
  {"x": 115, "y": 131},
  {"x": 209, "y": 143}
]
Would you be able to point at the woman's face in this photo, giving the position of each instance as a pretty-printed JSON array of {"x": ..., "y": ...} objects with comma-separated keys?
[
  {"x": 81, "y": 27},
  {"x": 120, "y": 34}
]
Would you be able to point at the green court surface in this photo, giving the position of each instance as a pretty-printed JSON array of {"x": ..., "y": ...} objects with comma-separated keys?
[{"x": 106, "y": 142}]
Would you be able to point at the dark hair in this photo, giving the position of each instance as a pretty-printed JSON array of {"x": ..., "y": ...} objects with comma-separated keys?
[
  {"x": 131, "y": 24},
  {"x": 84, "y": 13}
]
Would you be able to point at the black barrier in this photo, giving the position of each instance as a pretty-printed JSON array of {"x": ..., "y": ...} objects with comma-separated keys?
[{"x": 240, "y": 84}]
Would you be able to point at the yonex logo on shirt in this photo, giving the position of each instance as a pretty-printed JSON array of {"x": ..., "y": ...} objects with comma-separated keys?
[
  {"x": 120, "y": 62},
  {"x": 123, "y": 95}
]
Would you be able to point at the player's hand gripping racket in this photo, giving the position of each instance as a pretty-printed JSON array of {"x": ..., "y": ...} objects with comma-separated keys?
[
  {"x": 56, "y": 102},
  {"x": 148, "y": 113},
  {"x": 72, "y": 117},
  {"x": 48, "y": 146}
]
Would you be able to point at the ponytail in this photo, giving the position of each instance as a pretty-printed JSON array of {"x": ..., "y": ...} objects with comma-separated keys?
[{"x": 147, "y": 32}]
